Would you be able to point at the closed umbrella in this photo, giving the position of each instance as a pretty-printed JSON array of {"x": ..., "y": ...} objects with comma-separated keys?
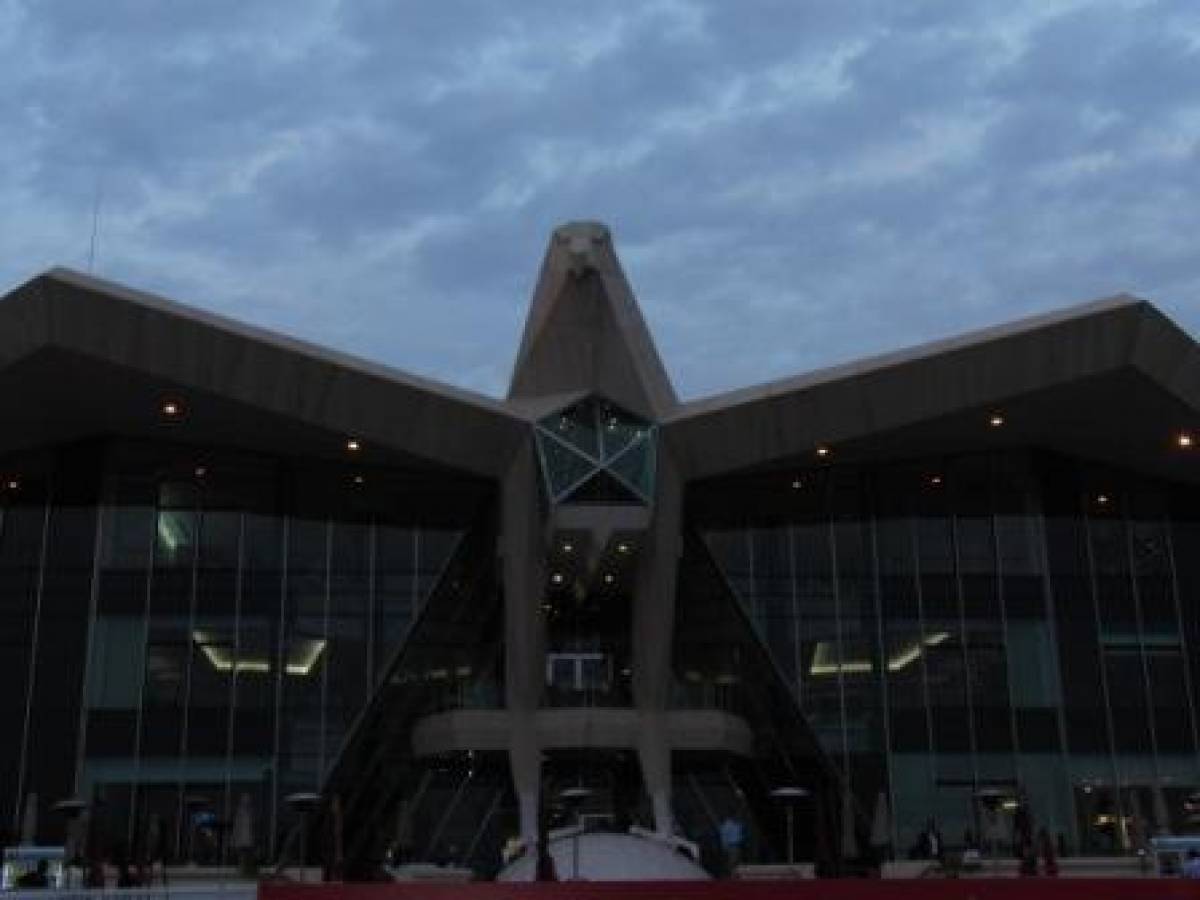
[
  {"x": 242, "y": 833},
  {"x": 881, "y": 828},
  {"x": 29, "y": 820},
  {"x": 1136, "y": 828},
  {"x": 1162, "y": 821},
  {"x": 849, "y": 839}
]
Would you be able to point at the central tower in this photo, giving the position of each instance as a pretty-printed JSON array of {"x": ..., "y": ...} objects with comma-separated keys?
[{"x": 591, "y": 525}]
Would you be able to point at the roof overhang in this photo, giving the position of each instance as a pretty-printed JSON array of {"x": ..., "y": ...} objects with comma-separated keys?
[
  {"x": 81, "y": 357},
  {"x": 1113, "y": 380}
]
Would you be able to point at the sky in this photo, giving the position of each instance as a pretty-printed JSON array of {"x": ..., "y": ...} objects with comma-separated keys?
[{"x": 789, "y": 185}]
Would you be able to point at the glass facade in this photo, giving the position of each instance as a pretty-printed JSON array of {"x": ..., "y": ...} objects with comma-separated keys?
[
  {"x": 594, "y": 451},
  {"x": 186, "y": 632},
  {"x": 1010, "y": 624}
]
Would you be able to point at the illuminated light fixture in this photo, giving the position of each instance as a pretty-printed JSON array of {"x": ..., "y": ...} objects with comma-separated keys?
[
  {"x": 996, "y": 420},
  {"x": 172, "y": 409},
  {"x": 13, "y": 484},
  {"x": 568, "y": 547},
  {"x": 797, "y": 484},
  {"x": 1102, "y": 499},
  {"x": 1009, "y": 804},
  {"x": 557, "y": 578},
  {"x": 935, "y": 479},
  {"x": 824, "y": 662},
  {"x": 172, "y": 530},
  {"x": 220, "y": 656},
  {"x": 201, "y": 471},
  {"x": 1185, "y": 441},
  {"x": 609, "y": 578},
  {"x": 358, "y": 479},
  {"x": 353, "y": 445},
  {"x": 823, "y": 450},
  {"x": 622, "y": 547},
  {"x": 305, "y": 658},
  {"x": 463, "y": 671}
]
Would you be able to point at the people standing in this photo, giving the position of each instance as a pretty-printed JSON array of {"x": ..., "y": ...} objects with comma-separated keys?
[{"x": 733, "y": 835}]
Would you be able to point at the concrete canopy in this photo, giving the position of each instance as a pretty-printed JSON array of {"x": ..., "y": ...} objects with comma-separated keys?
[
  {"x": 81, "y": 356},
  {"x": 1112, "y": 380}
]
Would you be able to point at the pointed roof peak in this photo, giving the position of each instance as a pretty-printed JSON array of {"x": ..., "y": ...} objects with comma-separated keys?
[{"x": 584, "y": 330}]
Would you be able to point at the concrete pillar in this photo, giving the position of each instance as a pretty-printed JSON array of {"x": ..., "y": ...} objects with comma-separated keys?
[
  {"x": 522, "y": 546},
  {"x": 653, "y": 630}
]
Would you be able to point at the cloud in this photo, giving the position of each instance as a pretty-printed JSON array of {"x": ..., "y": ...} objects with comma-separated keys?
[{"x": 790, "y": 185}]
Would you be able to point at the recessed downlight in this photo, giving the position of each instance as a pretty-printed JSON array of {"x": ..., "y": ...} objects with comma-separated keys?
[
  {"x": 557, "y": 578},
  {"x": 353, "y": 445},
  {"x": 568, "y": 547},
  {"x": 823, "y": 450},
  {"x": 622, "y": 547},
  {"x": 996, "y": 420},
  {"x": 1185, "y": 440},
  {"x": 935, "y": 479},
  {"x": 1103, "y": 499},
  {"x": 172, "y": 409},
  {"x": 610, "y": 578}
]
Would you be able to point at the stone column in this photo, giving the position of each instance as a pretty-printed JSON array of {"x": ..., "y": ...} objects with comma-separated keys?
[
  {"x": 653, "y": 631},
  {"x": 522, "y": 546}
]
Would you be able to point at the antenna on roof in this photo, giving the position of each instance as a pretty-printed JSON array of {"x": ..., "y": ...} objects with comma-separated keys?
[{"x": 91, "y": 262}]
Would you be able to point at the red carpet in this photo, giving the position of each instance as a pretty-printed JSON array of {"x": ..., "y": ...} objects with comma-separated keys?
[{"x": 923, "y": 889}]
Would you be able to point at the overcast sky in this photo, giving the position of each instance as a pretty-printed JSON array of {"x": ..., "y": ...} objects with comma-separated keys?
[{"x": 789, "y": 184}]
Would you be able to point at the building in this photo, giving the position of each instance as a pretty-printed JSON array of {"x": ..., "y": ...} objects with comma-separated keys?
[{"x": 945, "y": 583}]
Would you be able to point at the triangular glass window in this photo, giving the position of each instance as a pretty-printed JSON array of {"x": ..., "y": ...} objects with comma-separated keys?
[
  {"x": 562, "y": 466},
  {"x": 635, "y": 466},
  {"x": 577, "y": 426},
  {"x": 593, "y": 436},
  {"x": 602, "y": 488}
]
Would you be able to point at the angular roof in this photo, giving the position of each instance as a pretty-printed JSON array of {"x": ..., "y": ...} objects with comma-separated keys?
[
  {"x": 1113, "y": 379},
  {"x": 1088, "y": 377},
  {"x": 86, "y": 354}
]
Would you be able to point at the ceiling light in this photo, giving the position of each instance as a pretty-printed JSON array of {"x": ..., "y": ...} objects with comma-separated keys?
[
  {"x": 568, "y": 547},
  {"x": 935, "y": 479},
  {"x": 557, "y": 578},
  {"x": 1102, "y": 499},
  {"x": 622, "y": 547},
  {"x": 822, "y": 450},
  {"x": 358, "y": 479},
  {"x": 996, "y": 420},
  {"x": 201, "y": 471},
  {"x": 1185, "y": 441},
  {"x": 352, "y": 445},
  {"x": 797, "y": 484},
  {"x": 172, "y": 408},
  {"x": 13, "y": 484},
  {"x": 609, "y": 578}
]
